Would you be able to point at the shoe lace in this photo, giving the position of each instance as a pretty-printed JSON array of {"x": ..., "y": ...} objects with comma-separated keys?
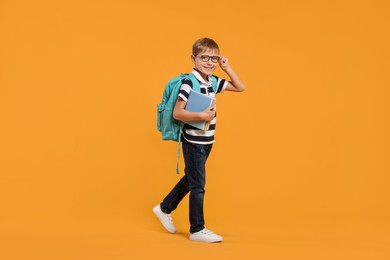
[
  {"x": 207, "y": 232},
  {"x": 169, "y": 216}
]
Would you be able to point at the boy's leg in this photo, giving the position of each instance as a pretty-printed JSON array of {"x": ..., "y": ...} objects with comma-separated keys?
[
  {"x": 172, "y": 200},
  {"x": 169, "y": 204},
  {"x": 195, "y": 156}
]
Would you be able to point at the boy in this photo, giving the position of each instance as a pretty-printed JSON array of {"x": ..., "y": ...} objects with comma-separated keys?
[{"x": 197, "y": 143}]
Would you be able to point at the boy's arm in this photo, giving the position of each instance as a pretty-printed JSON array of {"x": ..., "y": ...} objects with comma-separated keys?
[
  {"x": 235, "y": 84},
  {"x": 179, "y": 112}
]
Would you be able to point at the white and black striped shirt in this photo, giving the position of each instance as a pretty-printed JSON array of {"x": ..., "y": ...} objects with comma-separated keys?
[{"x": 190, "y": 133}]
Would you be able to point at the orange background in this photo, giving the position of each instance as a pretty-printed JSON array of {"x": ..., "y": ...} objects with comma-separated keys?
[{"x": 300, "y": 167}]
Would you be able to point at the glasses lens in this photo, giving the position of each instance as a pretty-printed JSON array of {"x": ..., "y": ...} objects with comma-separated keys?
[
  {"x": 205, "y": 58},
  {"x": 214, "y": 59}
]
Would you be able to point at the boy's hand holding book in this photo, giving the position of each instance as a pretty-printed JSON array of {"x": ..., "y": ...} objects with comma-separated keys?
[{"x": 208, "y": 114}]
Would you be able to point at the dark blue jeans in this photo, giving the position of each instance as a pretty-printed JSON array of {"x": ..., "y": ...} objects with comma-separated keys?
[{"x": 193, "y": 181}]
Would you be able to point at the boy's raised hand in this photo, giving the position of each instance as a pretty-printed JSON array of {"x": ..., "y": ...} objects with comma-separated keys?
[
  {"x": 223, "y": 62},
  {"x": 235, "y": 84}
]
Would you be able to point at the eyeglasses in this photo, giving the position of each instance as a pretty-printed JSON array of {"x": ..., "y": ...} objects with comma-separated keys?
[{"x": 206, "y": 58}]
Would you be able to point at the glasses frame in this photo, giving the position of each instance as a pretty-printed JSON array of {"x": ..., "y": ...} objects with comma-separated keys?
[{"x": 206, "y": 58}]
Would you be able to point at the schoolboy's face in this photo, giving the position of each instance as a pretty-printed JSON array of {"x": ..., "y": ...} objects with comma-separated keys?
[{"x": 206, "y": 62}]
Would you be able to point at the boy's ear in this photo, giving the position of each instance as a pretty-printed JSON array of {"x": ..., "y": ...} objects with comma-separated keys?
[{"x": 193, "y": 59}]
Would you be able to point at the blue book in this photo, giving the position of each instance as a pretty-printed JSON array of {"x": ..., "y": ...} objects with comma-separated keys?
[{"x": 198, "y": 102}]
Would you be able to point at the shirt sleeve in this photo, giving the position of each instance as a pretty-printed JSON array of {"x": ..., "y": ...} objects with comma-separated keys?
[
  {"x": 185, "y": 89},
  {"x": 221, "y": 85}
]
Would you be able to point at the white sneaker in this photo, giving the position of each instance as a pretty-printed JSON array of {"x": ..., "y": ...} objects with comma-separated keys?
[
  {"x": 205, "y": 235},
  {"x": 166, "y": 219}
]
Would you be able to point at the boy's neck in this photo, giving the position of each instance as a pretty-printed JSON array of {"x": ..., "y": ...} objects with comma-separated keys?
[{"x": 204, "y": 76}]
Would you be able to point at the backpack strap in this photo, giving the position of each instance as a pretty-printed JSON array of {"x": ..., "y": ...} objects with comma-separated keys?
[
  {"x": 178, "y": 150},
  {"x": 214, "y": 83},
  {"x": 195, "y": 82}
]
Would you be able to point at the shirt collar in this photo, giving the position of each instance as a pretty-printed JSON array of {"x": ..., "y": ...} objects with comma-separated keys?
[{"x": 200, "y": 78}]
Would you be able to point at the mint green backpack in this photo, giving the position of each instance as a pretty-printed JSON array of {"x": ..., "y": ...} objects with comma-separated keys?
[{"x": 170, "y": 128}]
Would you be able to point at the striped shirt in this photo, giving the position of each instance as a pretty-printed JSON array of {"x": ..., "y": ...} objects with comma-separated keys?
[{"x": 190, "y": 133}]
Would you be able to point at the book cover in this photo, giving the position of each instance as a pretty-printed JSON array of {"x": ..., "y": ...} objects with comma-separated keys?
[{"x": 198, "y": 102}]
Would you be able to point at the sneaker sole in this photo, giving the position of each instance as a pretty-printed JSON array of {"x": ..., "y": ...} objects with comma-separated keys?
[{"x": 210, "y": 241}]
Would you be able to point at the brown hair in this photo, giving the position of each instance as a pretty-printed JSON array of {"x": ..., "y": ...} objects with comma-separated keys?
[{"x": 203, "y": 44}]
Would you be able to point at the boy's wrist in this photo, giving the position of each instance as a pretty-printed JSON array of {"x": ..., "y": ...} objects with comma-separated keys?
[{"x": 227, "y": 69}]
